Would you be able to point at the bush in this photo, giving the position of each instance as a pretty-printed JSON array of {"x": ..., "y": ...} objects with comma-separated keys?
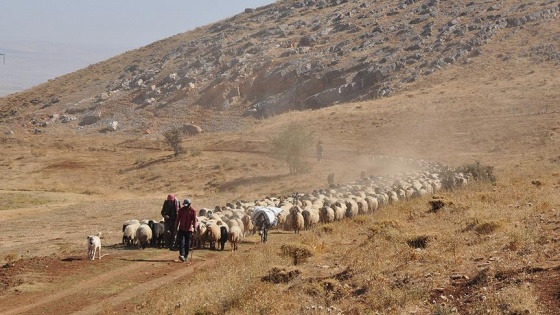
[
  {"x": 476, "y": 171},
  {"x": 291, "y": 145},
  {"x": 298, "y": 253},
  {"x": 174, "y": 137},
  {"x": 479, "y": 171}
]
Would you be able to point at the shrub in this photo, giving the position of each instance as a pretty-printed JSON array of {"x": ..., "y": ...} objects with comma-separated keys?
[
  {"x": 479, "y": 171},
  {"x": 281, "y": 275},
  {"x": 418, "y": 241},
  {"x": 476, "y": 170},
  {"x": 298, "y": 253},
  {"x": 291, "y": 145},
  {"x": 196, "y": 152},
  {"x": 487, "y": 228},
  {"x": 173, "y": 137}
]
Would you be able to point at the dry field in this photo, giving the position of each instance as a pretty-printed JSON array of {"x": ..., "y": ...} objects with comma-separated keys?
[{"x": 495, "y": 250}]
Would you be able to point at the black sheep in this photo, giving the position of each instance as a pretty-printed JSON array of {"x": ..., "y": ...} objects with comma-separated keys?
[
  {"x": 158, "y": 233},
  {"x": 224, "y": 236}
]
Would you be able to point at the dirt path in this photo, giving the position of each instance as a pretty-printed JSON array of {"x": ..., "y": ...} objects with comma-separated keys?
[
  {"x": 153, "y": 284},
  {"x": 132, "y": 278}
]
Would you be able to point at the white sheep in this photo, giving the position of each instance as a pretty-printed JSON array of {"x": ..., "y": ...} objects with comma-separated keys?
[
  {"x": 129, "y": 234},
  {"x": 339, "y": 208},
  {"x": 363, "y": 206},
  {"x": 372, "y": 203},
  {"x": 143, "y": 235},
  {"x": 199, "y": 235}
]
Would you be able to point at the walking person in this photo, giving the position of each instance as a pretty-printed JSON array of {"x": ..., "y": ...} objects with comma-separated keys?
[
  {"x": 185, "y": 224},
  {"x": 319, "y": 151},
  {"x": 169, "y": 213}
]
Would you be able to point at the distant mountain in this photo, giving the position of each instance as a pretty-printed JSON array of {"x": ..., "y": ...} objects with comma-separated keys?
[{"x": 28, "y": 63}]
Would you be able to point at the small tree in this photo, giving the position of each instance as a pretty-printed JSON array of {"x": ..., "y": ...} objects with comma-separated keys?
[
  {"x": 290, "y": 145},
  {"x": 174, "y": 137}
]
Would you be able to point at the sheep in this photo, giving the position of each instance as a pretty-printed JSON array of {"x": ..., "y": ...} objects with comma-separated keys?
[
  {"x": 223, "y": 236},
  {"x": 232, "y": 222},
  {"x": 351, "y": 208},
  {"x": 247, "y": 224},
  {"x": 129, "y": 234},
  {"x": 306, "y": 219},
  {"x": 143, "y": 235},
  {"x": 363, "y": 206},
  {"x": 281, "y": 217},
  {"x": 393, "y": 197},
  {"x": 158, "y": 233},
  {"x": 125, "y": 224},
  {"x": 327, "y": 214},
  {"x": 372, "y": 203},
  {"x": 287, "y": 226},
  {"x": 313, "y": 217},
  {"x": 199, "y": 235},
  {"x": 234, "y": 237},
  {"x": 240, "y": 224},
  {"x": 213, "y": 235},
  {"x": 298, "y": 222},
  {"x": 339, "y": 208}
]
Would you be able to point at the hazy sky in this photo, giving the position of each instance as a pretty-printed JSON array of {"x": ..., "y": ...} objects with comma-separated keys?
[
  {"x": 117, "y": 23},
  {"x": 43, "y": 39}
]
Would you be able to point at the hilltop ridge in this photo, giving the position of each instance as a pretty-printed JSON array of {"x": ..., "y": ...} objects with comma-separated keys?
[{"x": 289, "y": 55}]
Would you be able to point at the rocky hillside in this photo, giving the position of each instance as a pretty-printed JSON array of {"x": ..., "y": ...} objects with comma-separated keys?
[{"x": 290, "y": 55}]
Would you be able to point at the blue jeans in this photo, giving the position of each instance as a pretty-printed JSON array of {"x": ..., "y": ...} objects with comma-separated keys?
[{"x": 184, "y": 239}]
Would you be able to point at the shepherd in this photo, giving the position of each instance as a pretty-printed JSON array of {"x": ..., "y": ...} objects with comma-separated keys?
[
  {"x": 185, "y": 223},
  {"x": 319, "y": 150},
  {"x": 169, "y": 214}
]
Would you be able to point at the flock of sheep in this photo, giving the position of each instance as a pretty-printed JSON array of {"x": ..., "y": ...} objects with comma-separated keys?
[{"x": 232, "y": 222}]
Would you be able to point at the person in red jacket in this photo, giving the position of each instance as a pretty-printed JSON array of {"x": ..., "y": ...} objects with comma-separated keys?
[{"x": 185, "y": 224}]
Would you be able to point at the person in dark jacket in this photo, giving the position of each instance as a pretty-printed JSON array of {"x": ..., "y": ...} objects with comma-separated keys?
[
  {"x": 169, "y": 213},
  {"x": 185, "y": 224},
  {"x": 319, "y": 150}
]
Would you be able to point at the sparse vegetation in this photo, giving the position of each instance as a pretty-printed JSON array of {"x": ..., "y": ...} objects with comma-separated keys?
[
  {"x": 475, "y": 171},
  {"x": 174, "y": 138},
  {"x": 297, "y": 252},
  {"x": 290, "y": 145}
]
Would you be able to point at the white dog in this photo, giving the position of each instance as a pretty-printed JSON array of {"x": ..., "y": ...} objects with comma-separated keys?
[{"x": 94, "y": 246}]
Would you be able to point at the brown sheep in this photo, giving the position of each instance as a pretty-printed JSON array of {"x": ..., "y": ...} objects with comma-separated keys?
[
  {"x": 297, "y": 219},
  {"x": 234, "y": 237},
  {"x": 213, "y": 235}
]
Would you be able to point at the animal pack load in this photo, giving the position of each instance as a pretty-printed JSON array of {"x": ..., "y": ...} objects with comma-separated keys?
[
  {"x": 264, "y": 218},
  {"x": 270, "y": 214}
]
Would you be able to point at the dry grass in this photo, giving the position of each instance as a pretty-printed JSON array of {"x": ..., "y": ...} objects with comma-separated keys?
[{"x": 474, "y": 251}]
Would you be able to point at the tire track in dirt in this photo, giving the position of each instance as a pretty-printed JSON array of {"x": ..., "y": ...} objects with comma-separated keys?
[
  {"x": 129, "y": 294},
  {"x": 161, "y": 278}
]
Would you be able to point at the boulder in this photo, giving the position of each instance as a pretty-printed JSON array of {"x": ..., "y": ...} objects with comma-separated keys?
[
  {"x": 190, "y": 129},
  {"x": 91, "y": 119},
  {"x": 112, "y": 125}
]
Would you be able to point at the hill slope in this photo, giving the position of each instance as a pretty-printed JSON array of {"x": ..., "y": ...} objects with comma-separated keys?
[
  {"x": 290, "y": 55},
  {"x": 493, "y": 249}
]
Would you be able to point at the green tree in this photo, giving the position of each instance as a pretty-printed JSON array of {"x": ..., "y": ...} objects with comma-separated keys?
[
  {"x": 291, "y": 145},
  {"x": 173, "y": 137}
]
